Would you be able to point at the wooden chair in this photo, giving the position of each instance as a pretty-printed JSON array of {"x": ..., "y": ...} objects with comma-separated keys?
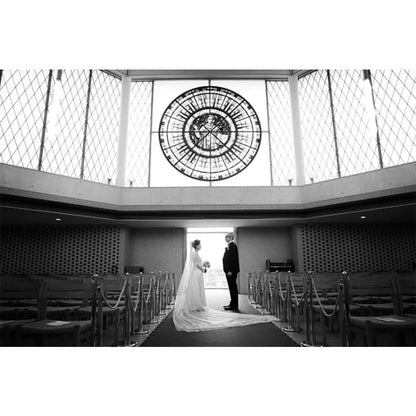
[
  {"x": 401, "y": 324},
  {"x": 375, "y": 315},
  {"x": 296, "y": 297},
  {"x": 17, "y": 294},
  {"x": 262, "y": 291},
  {"x": 328, "y": 310},
  {"x": 280, "y": 287},
  {"x": 63, "y": 296},
  {"x": 396, "y": 326},
  {"x": 10, "y": 332},
  {"x": 271, "y": 293},
  {"x": 406, "y": 288},
  {"x": 149, "y": 298},
  {"x": 111, "y": 303},
  {"x": 57, "y": 331},
  {"x": 136, "y": 294},
  {"x": 375, "y": 293},
  {"x": 258, "y": 288},
  {"x": 250, "y": 287},
  {"x": 161, "y": 289}
]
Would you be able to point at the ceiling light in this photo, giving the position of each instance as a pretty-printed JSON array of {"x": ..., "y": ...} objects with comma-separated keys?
[
  {"x": 57, "y": 219},
  {"x": 363, "y": 217}
]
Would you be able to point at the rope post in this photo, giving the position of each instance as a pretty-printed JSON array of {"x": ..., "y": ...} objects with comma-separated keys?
[
  {"x": 289, "y": 327},
  {"x": 271, "y": 295},
  {"x": 168, "y": 290},
  {"x": 100, "y": 318},
  {"x": 263, "y": 292},
  {"x": 267, "y": 295},
  {"x": 167, "y": 297},
  {"x": 248, "y": 287},
  {"x": 129, "y": 304},
  {"x": 313, "y": 328},
  {"x": 254, "y": 288},
  {"x": 258, "y": 297},
  {"x": 274, "y": 298},
  {"x": 346, "y": 336},
  {"x": 166, "y": 303},
  {"x": 163, "y": 295},
  {"x": 159, "y": 295},
  {"x": 174, "y": 286},
  {"x": 152, "y": 298},
  {"x": 322, "y": 317},
  {"x": 140, "y": 331},
  {"x": 94, "y": 310},
  {"x": 308, "y": 312},
  {"x": 128, "y": 315},
  {"x": 260, "y": 284},
  {"x": 279, "y": 298}
]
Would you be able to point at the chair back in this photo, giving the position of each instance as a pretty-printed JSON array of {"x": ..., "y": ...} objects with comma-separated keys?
[
  {"x": 371, "y": 284},
  {"x": 282, "y": 278},
  {"x": 298, "y": 281},
  {"x": 17, "y": 287},
  {"x": 326, "y": 283},
  {"x": 112, "y": 284},
  {"x": 406, "y": 287},
  {"x": 77, "y": 288},
  {"x": 406, "y": 283}
]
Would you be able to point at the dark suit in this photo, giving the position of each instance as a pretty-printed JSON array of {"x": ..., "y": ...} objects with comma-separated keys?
[{"x": 231, "y": 264}]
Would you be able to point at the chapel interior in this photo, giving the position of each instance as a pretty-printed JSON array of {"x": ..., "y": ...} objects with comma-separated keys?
[{"x": 105, "y": 176}]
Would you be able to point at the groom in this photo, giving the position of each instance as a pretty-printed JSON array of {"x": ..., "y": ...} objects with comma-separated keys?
[{"x": 231, "y": 269}]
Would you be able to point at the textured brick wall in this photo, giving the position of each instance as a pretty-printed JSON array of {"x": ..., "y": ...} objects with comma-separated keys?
[
  {"x": 60, "y": 249},
  {"x": 356, "y": 247}
]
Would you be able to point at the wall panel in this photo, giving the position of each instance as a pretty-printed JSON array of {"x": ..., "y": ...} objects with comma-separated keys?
[
  {"x": 258, "y": 244},
  {"x": 356, "y": 247},
  {"x": 157, "y": 249},
  {"x": 60, "y": 249}
]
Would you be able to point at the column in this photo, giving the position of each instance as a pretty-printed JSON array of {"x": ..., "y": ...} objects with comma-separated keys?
[
  {"x": 123, "y": 130},
  {"x": 297, "y": 134}
]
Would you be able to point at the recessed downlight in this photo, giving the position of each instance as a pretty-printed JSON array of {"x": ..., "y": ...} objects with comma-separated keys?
[
  {"x": 58, "y": 219},
  {"x": 363, "y": 217}
]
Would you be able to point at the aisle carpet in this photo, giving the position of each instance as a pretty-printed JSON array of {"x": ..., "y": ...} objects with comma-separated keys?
[{"x": 260, "y": 335}]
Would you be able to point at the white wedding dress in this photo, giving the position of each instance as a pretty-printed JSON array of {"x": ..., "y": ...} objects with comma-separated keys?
[{"x": 191, "y": 313}]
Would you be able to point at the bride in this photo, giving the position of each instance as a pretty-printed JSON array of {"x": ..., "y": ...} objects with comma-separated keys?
[{"x": 191, "y": 313}]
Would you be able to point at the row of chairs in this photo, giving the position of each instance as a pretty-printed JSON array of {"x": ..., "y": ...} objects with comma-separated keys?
[
  {"x": 342, "y": 304},
  {"x": 80, "y": 308}
]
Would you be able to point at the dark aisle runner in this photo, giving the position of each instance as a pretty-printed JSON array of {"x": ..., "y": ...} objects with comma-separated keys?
[{"x": 259, "y": 335}]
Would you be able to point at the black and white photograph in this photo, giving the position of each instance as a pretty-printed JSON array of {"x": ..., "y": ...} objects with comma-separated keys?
[{"x": 215, "y": 197}]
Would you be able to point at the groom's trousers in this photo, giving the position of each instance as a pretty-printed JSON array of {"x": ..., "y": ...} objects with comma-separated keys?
[{"x": 232, "y": 285}]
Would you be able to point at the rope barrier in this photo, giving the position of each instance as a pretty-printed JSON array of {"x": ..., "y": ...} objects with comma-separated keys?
[
  {"x": 295, "y": 294},
  {"x": 119, "y": 297},
  {"x": 280, "y": 290},
  {"x": 136, "y": 305},
  {"x": 140, "y": 318},
  {"x": 328, "y": 315}
]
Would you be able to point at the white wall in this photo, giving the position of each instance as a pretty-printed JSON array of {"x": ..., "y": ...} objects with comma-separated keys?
[{"x": 258, "y": 244}]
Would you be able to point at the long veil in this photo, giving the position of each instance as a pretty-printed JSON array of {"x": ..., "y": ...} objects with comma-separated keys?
[
  {"x": 180, "y": 301},
  {"x": 186, "y": 319}
]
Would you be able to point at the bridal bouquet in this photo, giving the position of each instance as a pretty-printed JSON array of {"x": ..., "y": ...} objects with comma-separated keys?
[{"x": 206, "y": 265}]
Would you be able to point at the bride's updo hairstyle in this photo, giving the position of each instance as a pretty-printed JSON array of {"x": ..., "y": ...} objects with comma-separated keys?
[{"x": 195, "y": 243}]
